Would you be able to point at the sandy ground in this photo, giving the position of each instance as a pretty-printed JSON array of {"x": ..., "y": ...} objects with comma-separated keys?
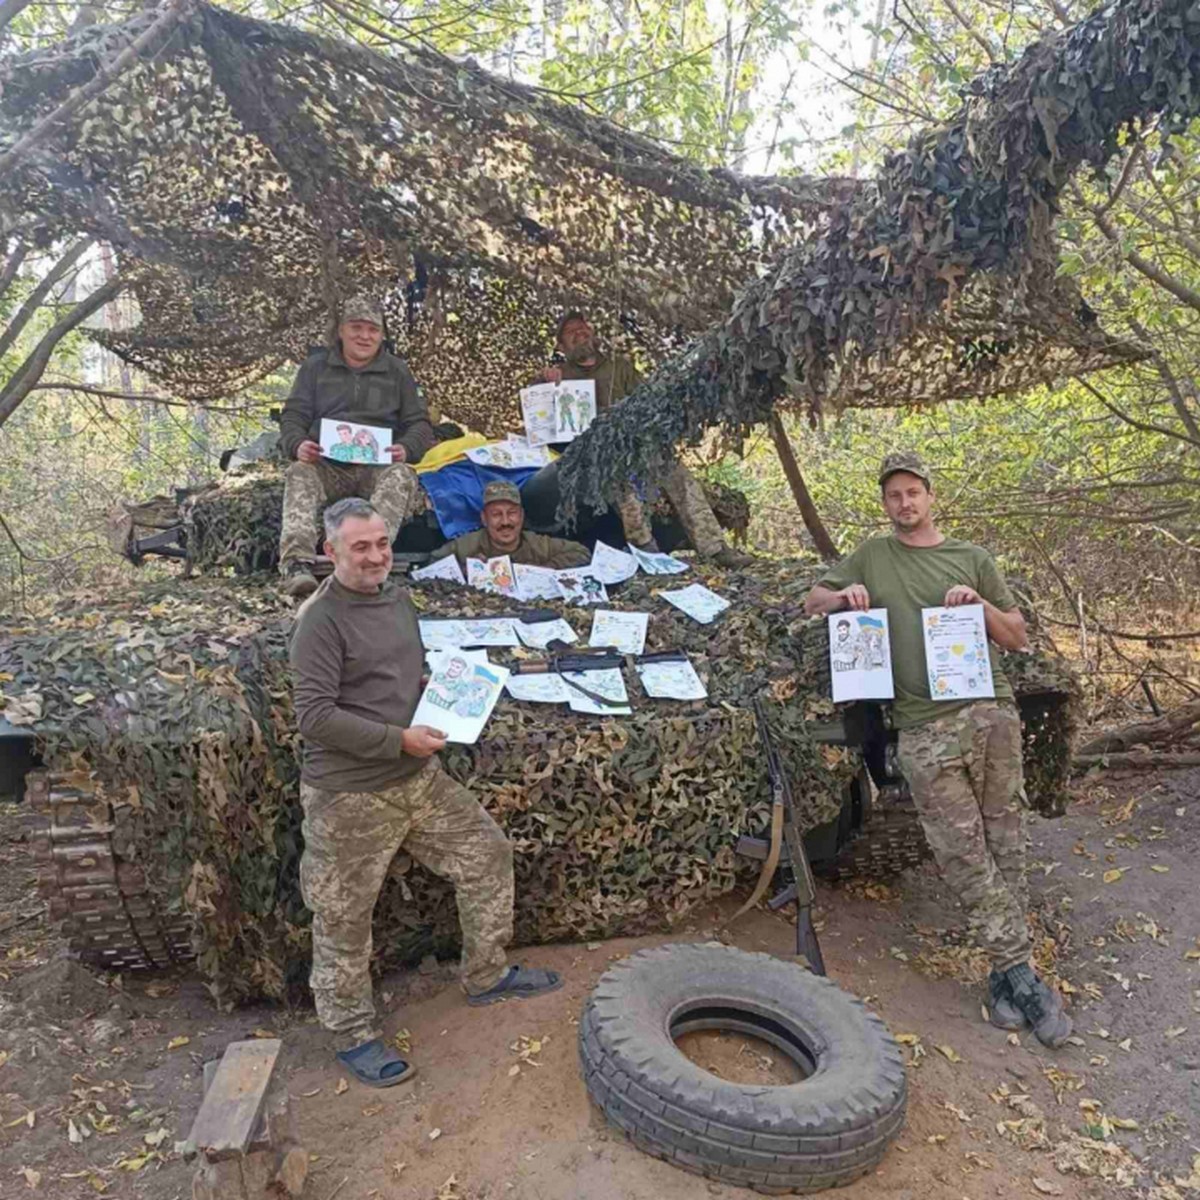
[{"x": 87, "y": 1052}]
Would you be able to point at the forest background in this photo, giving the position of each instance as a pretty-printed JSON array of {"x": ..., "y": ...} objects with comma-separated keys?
[{"x": 1089, "y": 490}]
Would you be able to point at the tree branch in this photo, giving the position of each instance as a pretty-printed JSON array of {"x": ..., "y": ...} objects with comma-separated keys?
[
  {"x": 12, "y": 264},
  {"x": 167, "y": 19},
  {"x": 10, "y": 10},
  {"x": 30, "y": 372},
  {"x": 804, "y": 501},
  {"x": 1144, "y": 426},
  {"x": 33, "y": 301}
]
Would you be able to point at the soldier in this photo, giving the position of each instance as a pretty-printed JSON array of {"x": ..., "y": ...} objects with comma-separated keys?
[
  {"x": 503, "y": 532},
  {"x": 615, "y": 377},
  {"x": 358, "y": 382},
  {"x": 371, "y": 785},
  {"x": 962, "y": 758}
]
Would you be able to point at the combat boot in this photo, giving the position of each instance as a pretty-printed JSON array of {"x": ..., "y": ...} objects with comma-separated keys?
[
  {"x": 1042, "y": 1005},
  {"x": 727, "y": 556},
  {"x": 298, "y": 580},
  {"x": 1002, "y": 1010}
]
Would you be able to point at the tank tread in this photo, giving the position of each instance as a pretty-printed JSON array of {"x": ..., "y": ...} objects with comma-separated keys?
[
  {"x": 890, "y": 841},
  {"x": 108, "y": 915}
]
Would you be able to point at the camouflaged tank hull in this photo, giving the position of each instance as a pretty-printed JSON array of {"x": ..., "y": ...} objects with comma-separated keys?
[{"x": 165, "y": 736}]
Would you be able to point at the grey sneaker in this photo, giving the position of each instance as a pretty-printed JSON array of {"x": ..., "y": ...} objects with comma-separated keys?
[
  {"x": 1042, "y": 1005},
  {"x": 1002, "y": 1011},
  {"x": 298, "y": 580}
]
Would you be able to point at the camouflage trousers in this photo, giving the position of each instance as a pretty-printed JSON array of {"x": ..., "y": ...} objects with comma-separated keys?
[
  {"x": 308, "y": 487},
  {"x": 690, "y": 504},
  {"x": 965, "y": 773},
  {"x": 350, "y": 839}
]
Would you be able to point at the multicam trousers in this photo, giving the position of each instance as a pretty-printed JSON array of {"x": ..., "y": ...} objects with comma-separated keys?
[
  {"x": 690, "y": 504},
  {"x": 350, "y": 839},
  {"x": 308, "y": 487},
  {"x": 965, "y": 773}
]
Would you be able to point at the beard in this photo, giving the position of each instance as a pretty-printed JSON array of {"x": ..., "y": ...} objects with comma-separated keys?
[{"x": 582, "y": 354}]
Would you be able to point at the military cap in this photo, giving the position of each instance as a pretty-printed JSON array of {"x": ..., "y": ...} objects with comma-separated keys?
[
  {"x": 363, "y": 308},
  {"x": 904, "y": 460},
  {"x": 501, "y": 489}
]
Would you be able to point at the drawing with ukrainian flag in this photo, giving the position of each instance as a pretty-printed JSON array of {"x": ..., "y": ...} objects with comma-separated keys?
[{"x": 860, "y": 656}]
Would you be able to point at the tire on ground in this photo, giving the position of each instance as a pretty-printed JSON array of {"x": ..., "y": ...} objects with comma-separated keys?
[{"x": 824, "y": 1131}]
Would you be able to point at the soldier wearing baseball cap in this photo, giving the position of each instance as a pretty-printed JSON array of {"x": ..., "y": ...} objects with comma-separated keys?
[
  {"x": 503, "y": 519},
  {"x": 962, "y": 757},
  {"x": 354, "y": 382}
]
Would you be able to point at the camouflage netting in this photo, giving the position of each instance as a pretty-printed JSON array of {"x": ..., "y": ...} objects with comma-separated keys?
[
  {"x": 248, "y": 174},
  {"x": 177, "y": 706}
]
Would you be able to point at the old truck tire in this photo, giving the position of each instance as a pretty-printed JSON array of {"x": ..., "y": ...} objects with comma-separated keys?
[{"x": 827, "y": 1130}]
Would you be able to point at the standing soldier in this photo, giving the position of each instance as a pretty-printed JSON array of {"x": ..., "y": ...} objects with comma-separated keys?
[
  {"x": 359, "y": 382},
  {"x": 371, "y": 785},
  {"x": 615, "y": 377},
  {"x": 962, "y": 758}
]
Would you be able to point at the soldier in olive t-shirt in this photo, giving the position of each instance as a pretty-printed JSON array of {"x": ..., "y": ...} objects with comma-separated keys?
[
  {"x": 905, "y": 579},
  {"x": 962, "y": 759}
]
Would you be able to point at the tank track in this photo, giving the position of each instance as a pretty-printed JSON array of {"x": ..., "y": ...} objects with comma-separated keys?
[
  {"x": 891, "y": 840},
  {"x": 101, "y": 902}
]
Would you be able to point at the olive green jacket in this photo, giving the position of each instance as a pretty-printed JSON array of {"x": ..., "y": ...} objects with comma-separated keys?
[
  {"x": 534, "y": 550},
  {"x": 614, "y": 374}
]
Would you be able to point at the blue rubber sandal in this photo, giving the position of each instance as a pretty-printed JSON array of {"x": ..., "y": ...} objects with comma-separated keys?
[
  {"x": 519, "y": 984},
  {"x": 375, "y": 1064}
]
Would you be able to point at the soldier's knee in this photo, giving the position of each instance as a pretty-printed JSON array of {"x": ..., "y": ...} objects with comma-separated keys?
[{"x": 302, "y": 472}]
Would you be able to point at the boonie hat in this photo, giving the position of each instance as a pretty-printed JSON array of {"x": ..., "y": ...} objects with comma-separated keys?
[
  {"x": 904, "y": 460},
  {"x": 363, "y": 308},
  {"x": 501, "y": 489}
]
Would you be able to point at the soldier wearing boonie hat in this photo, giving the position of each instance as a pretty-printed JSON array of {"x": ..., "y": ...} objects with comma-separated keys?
[
  {"x": 962, "y": 757},
  {"x": 354, "y": 382},
  {"x": 503, "y": 518}
]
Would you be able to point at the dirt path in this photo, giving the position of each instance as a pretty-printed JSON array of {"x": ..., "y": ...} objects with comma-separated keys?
[{"x": 92, "y": 1054}]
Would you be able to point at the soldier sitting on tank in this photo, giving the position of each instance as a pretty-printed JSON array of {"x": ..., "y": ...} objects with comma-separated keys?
[
  {"x": 355, "y": 382},
  {"x": 615, "y": 377},
  {"x": 503, "y": 532},
  {"x": 962, "y": 758},
  {"x": 371, "y": 785}
]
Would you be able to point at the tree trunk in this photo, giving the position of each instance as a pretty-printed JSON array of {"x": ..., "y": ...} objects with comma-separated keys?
[
  {"x": 1166, "y": 729},
  {"x": 31, "y": 371},
  {"x": 12, "y": 264},
  {"x": 1144, "y": 762},
  {"x": 804, "y": 501},
  {"x": 33, "y": 302}
]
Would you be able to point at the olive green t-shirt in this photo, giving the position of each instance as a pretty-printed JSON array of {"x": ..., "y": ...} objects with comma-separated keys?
[{"x": 905, "y": 579}]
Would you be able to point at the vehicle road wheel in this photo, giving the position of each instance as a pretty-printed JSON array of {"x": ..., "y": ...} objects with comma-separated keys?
[{"x": 824, "y": 1131}]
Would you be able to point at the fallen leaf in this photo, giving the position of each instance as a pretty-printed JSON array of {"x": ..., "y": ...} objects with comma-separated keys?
[
  {"x": 434, "y": 1134},
  {"x": 1178, "y": 1031},
  {"x": 965, "y": 1117},
  {"x": 176, "y": 1042},
  {"x": 342, "y": 1086},
  {"x": 33, "y": 1178},
  {"x": 949, "y": 1053},
  {"x": 908, "y": 1039},
  {"x": 1160, "y": 870},
  {"x": 157, "y": 1137},
  {"x": 27, "y": 1119},
  {"x": 936, "y": 1139},
  {"x": 397, "y": 1167},
  {"x": 372, "y": 1110},
  {"x": 1115, "y": 874},
  {"x": 263, "y": 1033},
  {"x": 3, "y": 1057},
  {"x": 402, "y": 1041},
  {"x": 1126, "y": 1045},
  {"x": 1013, "y": 1040},
  {"x": 308, "y": 1095},
  {"x": 1046, "y": 1187},
  {"x": 135, "y": 1162},
  {"x": 515, "y": 1069},
  {"x": 83, "y": 698},
  {"x": 1123, "y": 1123}
]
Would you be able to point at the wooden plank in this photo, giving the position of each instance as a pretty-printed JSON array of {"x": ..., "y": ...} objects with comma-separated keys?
[{"x": 234, "y": 1100}]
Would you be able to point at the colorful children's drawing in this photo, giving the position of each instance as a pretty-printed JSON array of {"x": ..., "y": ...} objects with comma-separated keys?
[
  {"x": 671, "y": 680},
  {"x": 609, "y": 683},
  {"x": 442, "y": 634},
  {"x": 499, "y": 631},
  {"x": 625, "y": 631},
  {"x": 698, "y": 602},
  {"x": 558, "y": 412},
  {"x": 348, "y": 442},
  {"x": 460, "y": 696},
  {"x": 540, "y": 689},
  {"x": 654, "y": 563},
  {"x": 612, "y": 566},
  {"x": 956, "y": 653},
  {"x": 444, "y": 568},
  {"x": 860, "y": 659},
  {"x": 538, "y": 411},
  {"x": 494, "y": 575},
  {"x": 581, "y": 587}
]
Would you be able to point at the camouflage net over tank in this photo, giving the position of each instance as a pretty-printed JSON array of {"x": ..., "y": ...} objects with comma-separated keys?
[
  {"x": 175, "y": 703},
  {"x": 249, "y": 174}
]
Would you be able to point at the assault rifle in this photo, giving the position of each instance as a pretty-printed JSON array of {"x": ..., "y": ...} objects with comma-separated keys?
[{"x": 785, "y": 831}]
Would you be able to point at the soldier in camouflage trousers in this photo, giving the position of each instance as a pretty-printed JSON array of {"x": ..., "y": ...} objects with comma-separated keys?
[
  {"x": 371, "y": 786},
  {"x": 962, "y": 757}
]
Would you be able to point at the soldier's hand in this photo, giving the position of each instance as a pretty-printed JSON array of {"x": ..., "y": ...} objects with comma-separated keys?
[
  {"x": 551, "y": 375},
  {"x": 423, "y": 740},
  {"x": 961, "y": 594},
  {"x": 308, "y": 452},
  {"x": 857, "y": 597},
  {"x": 398, "y": 453}
]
